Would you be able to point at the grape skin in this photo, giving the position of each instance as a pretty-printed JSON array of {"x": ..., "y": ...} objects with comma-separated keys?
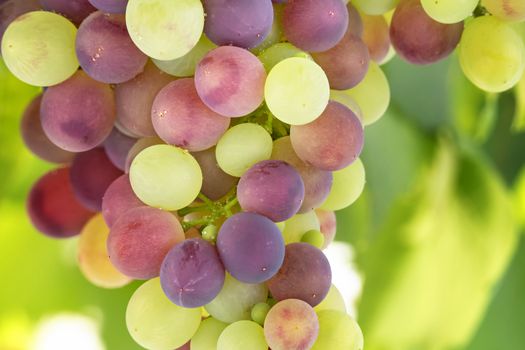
[
  {"x": 242, "y": 335},
  {"x": 328, "y": 222},
  {"x": 11, "y": 9},
  {"x": 376, "y": 36},
  {"x": 110, "y": 6},
  {"x": 118, "y": 199},
  {"x": 74, "y": 10},
  {"x": 117, "y": 147},
  {"x": 215, "y": 182},
  {"x": 208, "y": 334},
  {"x": 338, "y": 330}
]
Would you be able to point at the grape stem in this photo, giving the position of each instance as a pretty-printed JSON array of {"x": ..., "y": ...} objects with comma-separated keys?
[{"x": 221, "y": 208}]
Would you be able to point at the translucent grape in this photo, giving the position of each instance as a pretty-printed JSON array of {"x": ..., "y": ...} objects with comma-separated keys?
[
  {"x": 139, "y": 146},
  {"x": 278, "y": 52},
  {"x": 110, "y": 6},
  {"x": 165, "y": 177},
  {"x": 375, "y": 7},
  {"x": 241, "y": 147},
  {"x": 449, "y": 11},
  {"x": 291, "y": 325},
  {"x": 297, "y": 90},
  {"x": 118, "y": 199},
  {"x": 140, "y": 239},
  {"x": 337, "y": 330},
  {"x": 208, "y": 334},
  {"x": 328, "y": 223},
  {"x": 376, "y": 36},
  {"x": 155, "y": 322},
  {"x": 344, "y": 99},
  {"x": 74, "y": 10},
  {"x": 491, "y": 54},
  {"x": 355, "y": 23},
  {"x": 313, "y": 237},
  {"x": 347, "y": 187},
  {"x": 154, "y": 23},
  {"x": 117, "y": 147},
  {"x": 242, "y": 335},
  {"x": 333, "y": 301},
  {"x": 508, "y": 10},
  {"x": 11, "y": 9},
  {"x": 93, "y": 257},
  {"x": 215, "y": 182},
  {"x": 259, "y": 313},
  {"x": 298, "y": 225}
]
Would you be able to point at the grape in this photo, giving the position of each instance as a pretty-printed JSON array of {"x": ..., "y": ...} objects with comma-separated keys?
[
  {"x": 278, "y": 52},
  {"x": 39, "y": 48},
  {"x": 230, "y": 81},
  {"x": 93, "y": 257},
  {"x": 181, "y": 119},
  {"x": 331, "y": 142},
  {"x": 259, "y": 313},
  {"x": 328, "y": 223},
  {"x": 491, "y": 54},
  {"x": 53, "y": 208},
  {"x": 185, "y": 346},
  {"x": 314, "y": 25},
  {"x": 314, "y": 238},
  {"x": 337, "y": 330},
  {"x": 291, "y": 325},
  {"x": 355, "y": 23},
  {"x": 272, "y": 188},
  {"x": 165, "y": 177},
  {"x": 333, "y": 301},
  {"x": 215, "y": 182},
  {"x": 241, "y": 147},
  {"x": 297, "y": 90},
  {"x": 298, "y": 225},
  {"x": 374, "y": 84},
  {"x": 11, "y": 9},
  {"x": 74, "y": 10},
  {"x": 36, "y": 140},
  {"x": 236, "y": 299},
  {"x": 347, "y": 187},
  {"x": 276, "y": 31},
  {"x": 110, "y": 6},
  {"x": 376, "y": 36},
  {"x": 140, "y": 239},
  {"x": 418, "y": 38},
  {"x": 117, "y": 147},
  {"x": 118, "y": 199},
  {"x": 185, "y": 66},
  {"x": 155, "y": 322},
  {"x": 134, "y": 100},
  {"x": 91, "y": 174},
  {"x": 251, "y": 247},
  {"x": 346, "y": 63},
  {"x": 375, "y": 7},
  {"x": 192, "y": 274},
  {"x": 317, "y": 183},
  {"x": 508, "y": 10},
  {"x": 449, "y": 11},
  {"x": 78, "y": 114},
  {"x": 344, "y": 99},
  {"x": 165, "y": 30},
  {"x": 208, "y": 334},
  {"x": 242, "y": 335},
  {"x": 305, "y": 275},
  {"x": 138, "y": 147},
  {"x": 243, "y": 23},
  {"x": 105, "y": 50}
]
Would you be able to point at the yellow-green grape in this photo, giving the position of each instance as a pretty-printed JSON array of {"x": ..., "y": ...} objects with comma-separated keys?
[
  {"x": 337, "y": 330},
  {"x": 279, "y": 52},
  {"x": 333, "y": 301},
  {"x": 165, "y": 30},
  {"x": 375, "y": 7},
  {"x": 297, "y": 90},
  {"x": 345, "y": 99},
  {"x": 508, "y": 10},
  {"x": 313, "y": 237},
  {"x": 185, "y": 66},
  {"x": 242, "y": 335},
  {"x": 241, "y": 147},
  {"x": 449, "y": 11},
  {"x": 259, "y": 312},
  {"x": 93, "y": 258},
  {"x": 374, "y": 84},
  {"x": 297, "y": 225},
  {"x": 208, "y": 334},
  {"x": 39, "y": 48},
  {"x": 347, "y": 186},
  {"x": 276, "y": 32},
  {"x": 281, "y": 225},
  {"x": 165, "y": 177},
  {"x": 491, "y": 54},
  {"x": 209, "y": 233},
  {"x": 156, "y": 323}
]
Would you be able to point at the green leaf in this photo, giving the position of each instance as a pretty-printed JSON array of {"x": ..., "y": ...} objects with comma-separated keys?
[{"x": 519, "y": 114}]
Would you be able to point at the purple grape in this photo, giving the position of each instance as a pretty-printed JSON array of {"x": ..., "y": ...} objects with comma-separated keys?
[
  {"x": 11, "y": 9},
  {"x": 36, "y": 140},
  {"x": 91, "y": 174},
  {"x": 181, "y": 119},
  {"x": 314, "y": 25},
  {"x": 332, "y": 141},
  {"x": 53, "y": 208},
  {"x": 243, "y": 23},
  {"x": 230, "y": 81},
  {"x": 251, "y": 247},
  {"x": 418, "y": 38},
  {"x": 110, "y": 6},
  {"x": 117, "y": 147},
  {"x": 118, "y": 199},
  {"x": 192, "y": 274},
  {"x": 75, "y": 10},
  {"x": 78, "y": 114},
  {"x": 272, "y": 188},
  {"x": 355, "y": 22},
  {"x": 105, "y": 50},
  {"x": 304, "y": 275},
  {"x": 216, "y": 183}
]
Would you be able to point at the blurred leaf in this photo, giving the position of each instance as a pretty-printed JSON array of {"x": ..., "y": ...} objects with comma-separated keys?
[{"x": 519, "y": 116}]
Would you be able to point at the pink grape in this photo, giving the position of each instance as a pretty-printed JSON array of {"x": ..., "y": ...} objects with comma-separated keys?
[
  {"x": 118, "y": 199},
  {"x": 75, "y": 10},
  {"x": 117, "y": 147},
  {"x": 216, "y": 183}
]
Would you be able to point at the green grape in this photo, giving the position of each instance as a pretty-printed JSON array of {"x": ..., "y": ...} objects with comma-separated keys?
[
  {"x": 241, "y": 147},
  {"x": 259, "y": 312},
  {"x": 297, "y": 225},
  {"x": 185, "y": 66},
  {"x": 491, "y": 54},
  {"x": 165, "y": 30},
  {"x": 242, "y": 335},
  {"x": 372, "y": 94},
  {"x": 281, "y": 225},
  {"x": 209, "y": 233},
  {"x": 155, "y": 323},
  {"x": 276, "y": 32},
  {"x": 165, "y": 177},
  {"x": 343, "y": 98},
  {"x": 333, "y": 301},
  {"x": 508, "y": 10},
  {"x": 337, "y": 330},
  {"x": 39, "y": 48},
  {"x": 449, "y": 11},
  {"x": 297, "y": 90},
  {"x": 347, "y": 186},
  {"x": 236, "y": 300},
  {"x": 208, "y": 334},
  {"x": 313, "y": 237},
  {"x": 279, "y": 52},
  {"x": 375, "y": 7}
]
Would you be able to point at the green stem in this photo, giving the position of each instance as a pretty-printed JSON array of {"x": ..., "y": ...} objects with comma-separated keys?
[{"x": 189, "y": 210}]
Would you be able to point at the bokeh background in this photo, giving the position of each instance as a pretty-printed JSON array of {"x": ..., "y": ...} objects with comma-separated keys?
[{"x": 435, "y": 237}]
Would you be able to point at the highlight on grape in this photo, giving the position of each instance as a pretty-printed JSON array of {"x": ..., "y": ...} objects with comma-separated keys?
[{"x": 203, "y": 146}]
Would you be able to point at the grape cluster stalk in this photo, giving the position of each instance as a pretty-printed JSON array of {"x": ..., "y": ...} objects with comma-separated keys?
[{"x": 204, "y": 146}]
